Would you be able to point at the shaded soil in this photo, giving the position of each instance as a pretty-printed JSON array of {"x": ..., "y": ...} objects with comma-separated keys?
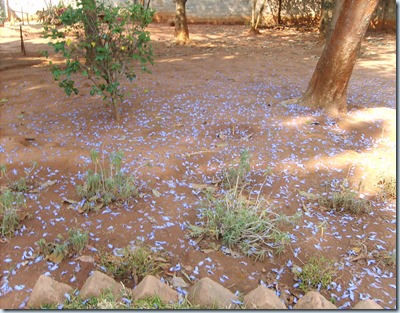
[{"x": 201, "y": 106}]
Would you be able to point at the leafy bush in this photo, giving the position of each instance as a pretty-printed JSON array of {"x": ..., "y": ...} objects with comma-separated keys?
[
  {"x": 110, "y": 38},
  {"x": 106, "y": 184}
]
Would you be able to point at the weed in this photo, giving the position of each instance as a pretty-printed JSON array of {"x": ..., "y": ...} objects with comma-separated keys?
[
  {"x": 241, "y": 221},
  {"x": 237, "y": 176},
  {"x": 24, "y": 183},
  {"x": 78, "y": 240},
  {"x": 318, "y": 273},
  {"x": 388, "y": 258},
  {"x": 132, "y": 263},
  {"x": 345, "y": 199},
  {"x": 387, "y": 183},
  {"x": 105, "y": 185},
  {"x": 62, "y": 248},
  {"x": 11, "y": 204},
  {"x": 123, "y": 301}
]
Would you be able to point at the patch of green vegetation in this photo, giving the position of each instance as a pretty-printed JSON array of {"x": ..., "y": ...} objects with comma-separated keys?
[
  {"x": 62, "y": 248},
  {"x": 108, "y": 301},
  {"x": 342, "y": 199},
  {"x": 22, "y": 184},
  {"x": 240, "y": 221},
  {"x": 388, "y": 258},
  {"x": 318, "y": 272},
  {"x": 11, "y": 204},
  {"x": 106, "y": 184},
  {"x": 387, "y": 183},
  {"x": 133, "y": 263},
  {"x": 236, "y": 176}
]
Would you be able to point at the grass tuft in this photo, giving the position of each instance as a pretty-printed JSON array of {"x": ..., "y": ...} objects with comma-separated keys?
[
  {"x": 132, "y": 263},
  {"x": 11, "y": 204},
  {"x": 317, "y": 273},
  {"x": 106, "y": 184},
  {"x": 240, "y": 221},
  {"x": 345, "y": 199}
]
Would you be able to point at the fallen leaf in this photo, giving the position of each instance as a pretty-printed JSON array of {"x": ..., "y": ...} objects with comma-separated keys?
[
  {"x": 308, "y": 195},
  {"x": 85, "y": 258},
  {"x": 156, "y": 193},
  {"x": 198, "y": 186},
  {"x": 69, "y": 201},
  {"x": 55, "y": 258},
  {"x": 3, "y": 100},
  {"x": 207, "y": 250}
]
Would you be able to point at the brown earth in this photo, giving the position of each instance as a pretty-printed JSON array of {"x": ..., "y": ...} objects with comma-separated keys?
[{"x": 201, "y": 106}]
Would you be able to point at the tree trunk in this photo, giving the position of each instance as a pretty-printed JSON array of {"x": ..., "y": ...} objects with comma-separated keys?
[
  {"x": 181, "y": 27},
  {"x": 327, "y": 88},
  {"x": 91, "y": 30},
  {"x": 279, "y": 12}
]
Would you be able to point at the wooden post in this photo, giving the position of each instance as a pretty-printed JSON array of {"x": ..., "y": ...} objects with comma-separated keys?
[{"x": 22, "y": 40}]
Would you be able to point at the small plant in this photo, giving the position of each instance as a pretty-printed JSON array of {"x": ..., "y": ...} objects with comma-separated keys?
[
  {"x": 2, "y": 16},
  {"x": 345, "y": 199},
  {"x": 387, "y": 183},
  {"x": 124, "y": 301},
  {"x": 132, "y": 263},
  {"x": 62, "y": 248},
  {"x": 106, "y": 184},
  {"x": 317, "y": 273},
  {"x": 24, "y": 183},
  {"x": 11, "y": 204},
  {"x": 106, "y": 42},
  {"x": 240, "y": 221},
  {"x": 388, "y": 258},
  {"x": 234, "y": 177}
]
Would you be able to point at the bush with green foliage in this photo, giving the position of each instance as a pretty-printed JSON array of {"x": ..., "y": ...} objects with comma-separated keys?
[{"x": 102, "y": 42}]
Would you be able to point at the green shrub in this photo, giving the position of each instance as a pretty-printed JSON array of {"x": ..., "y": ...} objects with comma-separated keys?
[{"x": 103, "y": 43}]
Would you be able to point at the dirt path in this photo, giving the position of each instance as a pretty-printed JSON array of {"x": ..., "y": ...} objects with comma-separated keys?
[{"x": 201, "y": 106}]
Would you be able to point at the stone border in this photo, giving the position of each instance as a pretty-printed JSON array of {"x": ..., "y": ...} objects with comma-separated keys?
[{"x": 205, "y": 292}]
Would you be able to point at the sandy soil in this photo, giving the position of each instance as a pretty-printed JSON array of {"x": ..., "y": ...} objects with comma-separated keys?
[{"x": 201, "y": 106}]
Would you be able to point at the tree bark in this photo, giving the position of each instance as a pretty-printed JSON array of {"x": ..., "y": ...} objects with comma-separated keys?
[
  {"x": 327, "y": 88},
  {"x": 279, "y": 12},
  {"x": 181, "y": 27}
]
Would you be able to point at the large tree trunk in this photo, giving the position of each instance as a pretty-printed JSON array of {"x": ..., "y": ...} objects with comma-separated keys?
[
  {"x": 181, "y": 27},
  {"x": 327, "y": 88}
]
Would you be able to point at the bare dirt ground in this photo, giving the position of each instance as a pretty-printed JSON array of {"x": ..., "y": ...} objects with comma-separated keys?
[{"x": 201, "y": 106}]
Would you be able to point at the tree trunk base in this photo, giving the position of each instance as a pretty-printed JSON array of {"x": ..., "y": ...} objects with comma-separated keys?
[{"x": 254, "y": 31}]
